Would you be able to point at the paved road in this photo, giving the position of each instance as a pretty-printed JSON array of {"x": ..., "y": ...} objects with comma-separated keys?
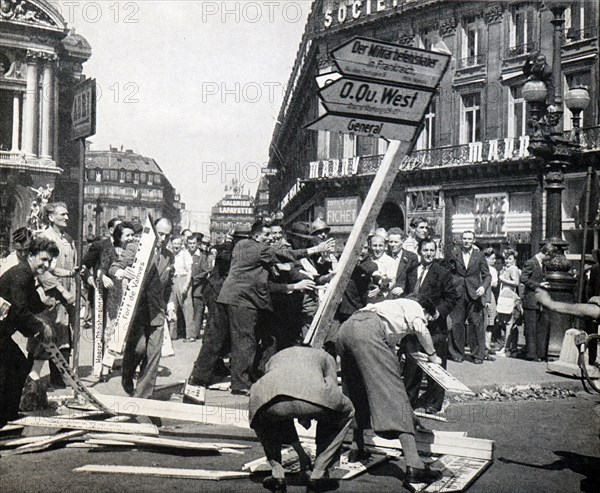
[{"x": 541, "y": 446}]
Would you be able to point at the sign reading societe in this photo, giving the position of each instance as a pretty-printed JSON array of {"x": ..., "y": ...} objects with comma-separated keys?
[
  {"x": 375, "y": 99},
  {"x": 342, "y": 11},
  {"x": 391, "y": 63}
]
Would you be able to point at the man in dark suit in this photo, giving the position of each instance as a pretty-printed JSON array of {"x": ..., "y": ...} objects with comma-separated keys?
[
  {"x": 156, "y": 304},
  {"x": 200, "y": 271},
  {"x": 474, "y": 278},
  {"x": 284, "y": 394},
  {"x": 436, "y": 283},
  {"x": 532, "y": 276},
  {"x": 246, "y": 294},
  {"x": 406, "y": 261}
]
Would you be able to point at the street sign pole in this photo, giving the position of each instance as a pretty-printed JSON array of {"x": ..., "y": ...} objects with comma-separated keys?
[{"x": 383, "y": 91}]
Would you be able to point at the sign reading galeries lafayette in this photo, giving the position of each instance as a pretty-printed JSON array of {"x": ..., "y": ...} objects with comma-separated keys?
[{"x": 391, "y": 63}]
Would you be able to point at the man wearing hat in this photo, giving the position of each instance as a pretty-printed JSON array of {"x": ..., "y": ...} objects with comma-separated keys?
[
  {"x": 201, "y": 265},
  {"x": 246, "y": 294}
]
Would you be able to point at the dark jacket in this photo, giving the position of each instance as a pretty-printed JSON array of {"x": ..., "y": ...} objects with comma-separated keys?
[
  {"x": 17, "y": 286},
  {"x": 439, "y": 286},
  {"x": 532, "y": 275},
  {"x": 471, "y": 277},
  {"x": 355, "y": 294},
  {"x": 247, "y": 282},
  {"x": 200, "y": 271},
  {"x": 408, "y": 260}
]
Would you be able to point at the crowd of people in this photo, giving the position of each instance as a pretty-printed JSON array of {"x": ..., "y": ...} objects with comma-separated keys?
[{"x": 253, "y": 298}]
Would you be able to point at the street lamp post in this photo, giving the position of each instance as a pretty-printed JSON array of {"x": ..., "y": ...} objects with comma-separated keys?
[{"x": 558, "y": 153}]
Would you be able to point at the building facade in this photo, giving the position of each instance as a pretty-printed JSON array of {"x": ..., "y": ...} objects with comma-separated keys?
[
  {"x": 233, "y": 212},
  {"x": 41, "y": 62},
  {"x": 471, "y": 168},
  {"x": 123, "y": 184}
]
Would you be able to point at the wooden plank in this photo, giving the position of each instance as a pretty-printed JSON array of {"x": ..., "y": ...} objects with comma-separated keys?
[
  {"x": 441, "y": 376},
  {"x": 167, "y": 349},
  {"x": 109, "y": 443},
  {"x": 98, "y": 349},
  {"x": 10, "y": 429},
  {"x": 434, "y": 417},
  {"x": 82, "y": 424},
  {"x": 17, "y": 442},
  {"x": 381, "y": 185},
  {"x": 131, "y": 292},
  {"x": 157, "y": 441},
  {"x": 349, "y": 470},
  {"x": 214, "y": 415},
  {"x": 44, "y": 444},
  {"x": 165, "y": 472}
]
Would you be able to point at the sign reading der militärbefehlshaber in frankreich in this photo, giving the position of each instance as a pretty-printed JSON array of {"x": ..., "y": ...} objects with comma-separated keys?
[{"x": 382, "y": 90}]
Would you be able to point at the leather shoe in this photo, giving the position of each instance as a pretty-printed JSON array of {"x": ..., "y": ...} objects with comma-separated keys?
[
  {"x": 127, "y": 385},
  {"x": 489, "y": 358},
  {"x": 322, "y": 484},
  {"x": 245, "y": 392},
  {"x": 425, "y": 475},
  {"x": 477, "y": 361},
  {"x": 357, "y": 455},
  {"x": 458, "y": 359},
  {"x": 277, "y": 485}
]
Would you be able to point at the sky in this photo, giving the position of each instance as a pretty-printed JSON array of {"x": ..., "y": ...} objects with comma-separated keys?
[{"x": 196, "y": 85}]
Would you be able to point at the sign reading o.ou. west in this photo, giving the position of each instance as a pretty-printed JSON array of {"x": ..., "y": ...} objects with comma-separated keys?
[
  {"x": 342, "y": 211},
  {"x": 83, "y": 111}
]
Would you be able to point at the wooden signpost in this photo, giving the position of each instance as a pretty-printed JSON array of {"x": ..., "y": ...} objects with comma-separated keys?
[
  {"x": 131, "y": 294},
  {"x": 384, "y": 91}
]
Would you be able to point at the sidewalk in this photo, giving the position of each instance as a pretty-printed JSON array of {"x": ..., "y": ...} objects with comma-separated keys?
[{"x": 175, "y": 369}]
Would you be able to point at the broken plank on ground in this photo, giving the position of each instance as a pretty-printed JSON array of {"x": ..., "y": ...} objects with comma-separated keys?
[
  {"x": 44, "y": 444},
  {"x": 82, "y": 424},
  {"x": 349, "y": 470},
  {"x": 441, "y": 376},
  {"x": 17, "y": 442},
  {"x": 167, "y": 472},
  {"x": 214, "y": 415},
  {"x": 459, "y": 474},
  {"x": 155, "y": 441}
]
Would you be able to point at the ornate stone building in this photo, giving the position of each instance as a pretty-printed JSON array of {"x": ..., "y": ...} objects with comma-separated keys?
[
  {"x": 123, "y": 184},
  {"x": 40, "y": 64},
  {"x": 471, "y": 168}
]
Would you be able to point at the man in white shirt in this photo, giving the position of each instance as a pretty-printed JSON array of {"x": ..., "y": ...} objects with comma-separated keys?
[
  {"x": 405, "y": 261},
  {"x": 386, "y": 269},
  {"x": 182, "y": 287}
]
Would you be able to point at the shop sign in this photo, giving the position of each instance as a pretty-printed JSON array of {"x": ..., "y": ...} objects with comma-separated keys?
[
  {"x": 344, "y": 11},
  {"x": 342, "y": 211},
  {"x": 490, "y": 214},
  {"x": 423, "y": 200},
  {"x": 83, "y": 111}
]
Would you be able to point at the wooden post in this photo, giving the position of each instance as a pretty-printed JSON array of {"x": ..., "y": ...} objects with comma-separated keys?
[
  {"x": 77, "y": 321},
  {"x": 586, "y": 214},
  {"x": 381, "y": 185}
]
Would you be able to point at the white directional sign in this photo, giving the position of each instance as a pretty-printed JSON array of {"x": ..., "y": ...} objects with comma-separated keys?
[
  {"x": 375, "y": 99},
  {"x": 326, "y": 79},
  {"x": 371, "y": 59},
  {"x": 357, "y": 125}
]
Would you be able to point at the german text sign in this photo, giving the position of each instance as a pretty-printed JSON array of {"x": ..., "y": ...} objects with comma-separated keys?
[
  {"x": 375, "y": 99},
  {"x": 368, "y": 127},
  {"x": 371, "y": 59}
]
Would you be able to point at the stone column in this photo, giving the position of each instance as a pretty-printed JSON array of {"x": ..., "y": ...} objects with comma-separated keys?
[
  {"x": 16, "y": 122},
  {"x": 30, "y": 107},
  {"x": 48, "y": 108}
]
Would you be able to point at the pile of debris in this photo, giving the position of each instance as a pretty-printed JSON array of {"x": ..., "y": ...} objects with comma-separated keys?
[{"x": 504, "y": 393}]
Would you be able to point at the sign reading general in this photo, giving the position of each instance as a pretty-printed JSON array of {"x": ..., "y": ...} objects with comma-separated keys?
[
  {"x": 368, "y": 127},
  {"x": 391, "y": 63},
  {"x": 342, "y": 211},
  {"x": 375, "y": 99}
]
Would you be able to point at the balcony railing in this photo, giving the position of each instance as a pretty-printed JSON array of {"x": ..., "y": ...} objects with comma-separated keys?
[
  {"x": 524, "y": 49},
  {"x": 472, "y": 61},
  {"x": 496, "y": 150},
  {"x": 15, "y": 157},
  {"x": 574, "y": 35}
]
